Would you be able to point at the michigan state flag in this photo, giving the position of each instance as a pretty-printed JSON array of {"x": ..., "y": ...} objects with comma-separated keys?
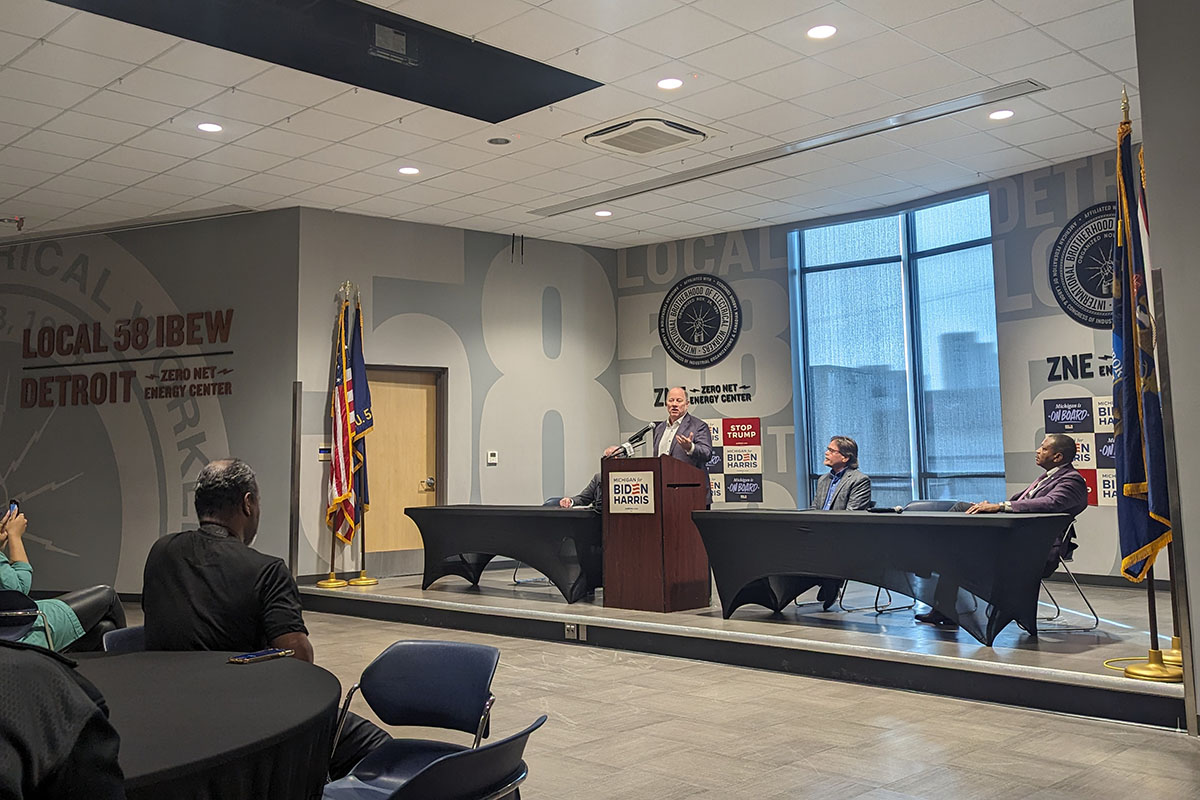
[
  {"x": 364, "y": 422},
  {"x": 1143, "y": 514}
]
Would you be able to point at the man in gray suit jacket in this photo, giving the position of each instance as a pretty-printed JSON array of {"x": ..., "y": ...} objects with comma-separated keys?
[
  {"x": 592, "y": 495},
  {"x": 843, "y": 488}
]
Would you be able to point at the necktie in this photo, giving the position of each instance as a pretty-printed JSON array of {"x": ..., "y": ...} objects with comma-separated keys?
[{"x": 1029, "y": 492}]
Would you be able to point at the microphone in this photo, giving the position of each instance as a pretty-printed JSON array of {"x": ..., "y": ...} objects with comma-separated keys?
[
  {"x": 637, "y": 437},
  {"x": 626, "y": 448}
]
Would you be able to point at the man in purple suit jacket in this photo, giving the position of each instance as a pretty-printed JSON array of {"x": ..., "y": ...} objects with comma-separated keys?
[{"x": 1059, "y": 490}]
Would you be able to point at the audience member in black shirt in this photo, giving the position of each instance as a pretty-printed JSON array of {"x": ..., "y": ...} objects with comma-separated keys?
[
  {"x": 208, "y": 590},
  {"x": 55, "y": 738}
]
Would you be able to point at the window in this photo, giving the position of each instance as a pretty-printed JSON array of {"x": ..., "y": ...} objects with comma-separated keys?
[{"x": 895, "y": 344}]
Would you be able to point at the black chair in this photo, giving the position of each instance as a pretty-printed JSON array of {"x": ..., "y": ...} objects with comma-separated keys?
[
  {"x": 1062, "y": 552},
  {"x": 125, "y": 640},
  {"x": 429, "y": 684},
  {"x": 491, "y": 772},
  {"x": 19, "y": 614},
  {"x": 887, "y": 607}
]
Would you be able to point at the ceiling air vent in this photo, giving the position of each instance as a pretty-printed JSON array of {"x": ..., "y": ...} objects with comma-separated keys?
[{"x": 644, "y": 134}]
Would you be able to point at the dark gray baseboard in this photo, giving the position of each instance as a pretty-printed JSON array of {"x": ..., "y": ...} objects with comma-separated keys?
[{"x": 1109, "y": 580}]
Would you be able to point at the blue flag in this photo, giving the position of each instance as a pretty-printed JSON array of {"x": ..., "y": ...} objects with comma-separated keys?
[
  {"x": 363, "y": 420},
  {"x": 1143, "y": 513}
]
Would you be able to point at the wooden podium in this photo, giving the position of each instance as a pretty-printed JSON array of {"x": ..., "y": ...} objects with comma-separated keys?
[{"x": 656, "y": 561}]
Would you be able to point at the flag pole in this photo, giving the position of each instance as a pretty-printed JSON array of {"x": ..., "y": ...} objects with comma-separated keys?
[
  {"x": 1154, "y": 669},
  {"x": 364, "y": 392},
  {"x": 362, "y": 579}
]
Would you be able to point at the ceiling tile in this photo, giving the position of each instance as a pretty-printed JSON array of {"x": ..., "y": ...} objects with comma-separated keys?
[
  {"x": 367, "y": 183},
  {"x": 48, "y": 197},
  {"x": 921, "y": 76},
  {"x": 391, "y": 140},
  {"x": 1093, "y": 27},
  {"x": 20, "y": 176},
  {"x": 743, "y": 56},
  {"x": 293, "y": 86},
  {"x": 209, "y": 172},
  {"x": 146, "y": 197},
  {"x": 856, "y": 96},
  {"x": 1035, "y": 12},
  {"x": 728, "y": 101},
  {"x": 175, "y": 144},
  {"x": 241, "y": 197},
  {"x": 556, "y": 181},
  {"x": 895, "y": 15},
  {"x": 71, "y": 65},
  {"x": 110, "y": 173},
  {"x": 383, "y": 206},
  {"x": 187, "y": 122},
  {"x": 1105, "y": 117},
  {"x": 1072, "y": 144},
  {"x": 1053, "y": 72},
  {"x": 209, "y": 64},
  {"x": 369, "y": 106},
  {"x": 1014, "y": 50},
  {"x": 695, "y": 80},
  {"x": 435, "y": 216},
  {"x": 10, "y": 132},
  {"x": 473, "y": 204},
  {"x": 12, "y": 45},
  {"x": 608, "y": 60},
  {"x": 20, "y": 157},
  {"x": 347, "y": 157},
  {"x": 174, "y": 184},
  {"x": 151, "y": 84},
  {"x": 556, "y": 154},
  {"x": 680, "y": 32},
  {"x": 731, "y": 201},
  {"x": 420, "y": 193},
  {"x": 931, "y": 130},
  {"x": 538, "y": 34},
  {"x": 323, "y": 125},
  {"x": 507, "y": 169},
  {"x": 31, "y": 114},
  {"x": 964, "y": 26},
  {"x": 608, "y": 168},
  {"x": 145, "y": 160},
  {"x": 462, "y": 182},
  {"x": 72, "y": 146},
  {"x": 467, "y": 17},
  {"x": 1036, "y": 130},
  {"x": 550, "y": 122},
  {"x": 450, "y": 156},
  {"x": 969, "y": 145},
  {"x": 234, "y": 155},
  {"x": 108, "y": 37},
  {"x": 612, "y": 15},
  {"x": 782, "y": 189},
  {"x": 758, "y": 14},
  {"x": 1082, "y": 94},
  {"x": 883, "y": 51},
  {"x": 311, "y": 171},
  {"x": 126, "y": 108},
  {"x": 1114, "y": 56},
  {"x": 851, "y": 27},
  {"x": 273, "y": 184},
  {"x": 282, "y": 142},
  {"x": 236, "y": 104},
  {"x": 797, "y": 79},
  {"x": 42, "y": 89},
  {"x": 34, "y": 18},
  {"x": 513, "y": 193},
  {"x": 604, "y": 103},
  {"x": 391, "y": 169}
]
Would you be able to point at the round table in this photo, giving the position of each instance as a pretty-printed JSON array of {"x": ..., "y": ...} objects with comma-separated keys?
[{"x": 194, "y": 726}]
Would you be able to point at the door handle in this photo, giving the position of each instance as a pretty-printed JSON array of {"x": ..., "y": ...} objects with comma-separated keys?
[{"x": 429, "y": 483}]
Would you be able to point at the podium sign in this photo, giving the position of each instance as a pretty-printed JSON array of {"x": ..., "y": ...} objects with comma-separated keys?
[
  {"x": 654, "y": 559},
  {"x": 631, "y": 493}
]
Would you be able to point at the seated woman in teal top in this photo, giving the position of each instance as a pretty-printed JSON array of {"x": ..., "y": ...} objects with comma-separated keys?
[{"x": 77, "y": 620}]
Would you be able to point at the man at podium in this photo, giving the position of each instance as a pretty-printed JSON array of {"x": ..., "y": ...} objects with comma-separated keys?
[{"x": 681, "y": 436}]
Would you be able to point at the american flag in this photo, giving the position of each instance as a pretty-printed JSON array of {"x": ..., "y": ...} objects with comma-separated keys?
[{"x": 340, "y": 511}]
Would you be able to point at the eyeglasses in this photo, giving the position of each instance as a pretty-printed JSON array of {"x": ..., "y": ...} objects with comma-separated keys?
[{"x": 833, "y": 450}]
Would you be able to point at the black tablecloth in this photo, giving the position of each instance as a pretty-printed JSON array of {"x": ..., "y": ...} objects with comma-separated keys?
[
  {"x": 983, "y": 570},
  {"x": 193, "y": 726},
  {"x": 564, "y": 544}
]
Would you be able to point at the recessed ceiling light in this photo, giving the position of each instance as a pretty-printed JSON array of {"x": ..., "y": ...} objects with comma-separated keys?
[
  {"x": 499, "y": 140},
  {"x": 209, "y": 127},
  {"x": 670, "y": 83},
  {"x": 821, "y": 32},
  {"x": 603, "y": 213},
  {"x": 1003, "y": 113},
  {"x": 409, "y": 171}
]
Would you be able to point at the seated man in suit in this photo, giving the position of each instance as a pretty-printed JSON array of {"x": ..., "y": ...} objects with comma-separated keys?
[
  {"x": 207, "y": 589},
  {"x": 1058, "y": 490},
  {"x": 592, "y": 495},
  {"x": 681, "y": 436},
  {"x": 843, "y": 488}
]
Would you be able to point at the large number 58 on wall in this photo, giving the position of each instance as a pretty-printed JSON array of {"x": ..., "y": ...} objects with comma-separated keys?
[{"x": 549, "y": 326}]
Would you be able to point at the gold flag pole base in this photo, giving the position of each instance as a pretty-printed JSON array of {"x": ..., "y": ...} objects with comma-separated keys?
[
  {"x": 1154, "y": 670},
  {"x": 332, "y": 582},
  {"x": 363, "y": 580},
  {"x": 1173, "y": 657}
]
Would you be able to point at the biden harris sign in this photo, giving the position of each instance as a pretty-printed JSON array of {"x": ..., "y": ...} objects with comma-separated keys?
[{"x": 631, "y": 492}]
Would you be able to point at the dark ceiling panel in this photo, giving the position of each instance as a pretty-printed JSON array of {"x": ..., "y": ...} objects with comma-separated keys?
[{"x": 363, "y": 46}]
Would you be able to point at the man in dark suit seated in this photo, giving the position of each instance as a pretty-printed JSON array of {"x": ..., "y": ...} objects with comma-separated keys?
[
  {"x": 843, "y": 488},
  {"x": 1058, "y": 490},
  {"x": 592, "y": 495}
]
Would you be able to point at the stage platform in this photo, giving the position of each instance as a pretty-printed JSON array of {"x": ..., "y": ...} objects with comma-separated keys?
[{"x": 1058, "y": 671}]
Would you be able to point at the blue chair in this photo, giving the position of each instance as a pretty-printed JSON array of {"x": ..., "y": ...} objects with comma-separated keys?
[
  {"x": 491, "y": 772},
  {"x": 429, "y": 684},
  {"x": 125, "y": 640}
]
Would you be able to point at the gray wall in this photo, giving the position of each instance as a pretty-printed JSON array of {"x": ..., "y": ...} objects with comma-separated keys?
[
  {"x": 100, "y": 483},
  {"x": 1168, "y": 63}
]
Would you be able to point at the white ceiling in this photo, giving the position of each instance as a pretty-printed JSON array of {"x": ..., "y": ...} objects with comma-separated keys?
[{"x": 98, "y": 118}]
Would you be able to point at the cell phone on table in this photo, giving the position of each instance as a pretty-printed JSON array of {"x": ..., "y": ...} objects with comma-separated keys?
[{"x": 261, "y": 655}]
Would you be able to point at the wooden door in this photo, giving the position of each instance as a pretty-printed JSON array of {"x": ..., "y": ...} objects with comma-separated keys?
[{"x": 401, "y": 455}]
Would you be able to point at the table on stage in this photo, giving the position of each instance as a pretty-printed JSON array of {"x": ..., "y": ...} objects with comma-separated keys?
[
  {"x": 193, "y": 726},
  {"x": 982, "y": 570},
  {"x": 564, "y": 544}
]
